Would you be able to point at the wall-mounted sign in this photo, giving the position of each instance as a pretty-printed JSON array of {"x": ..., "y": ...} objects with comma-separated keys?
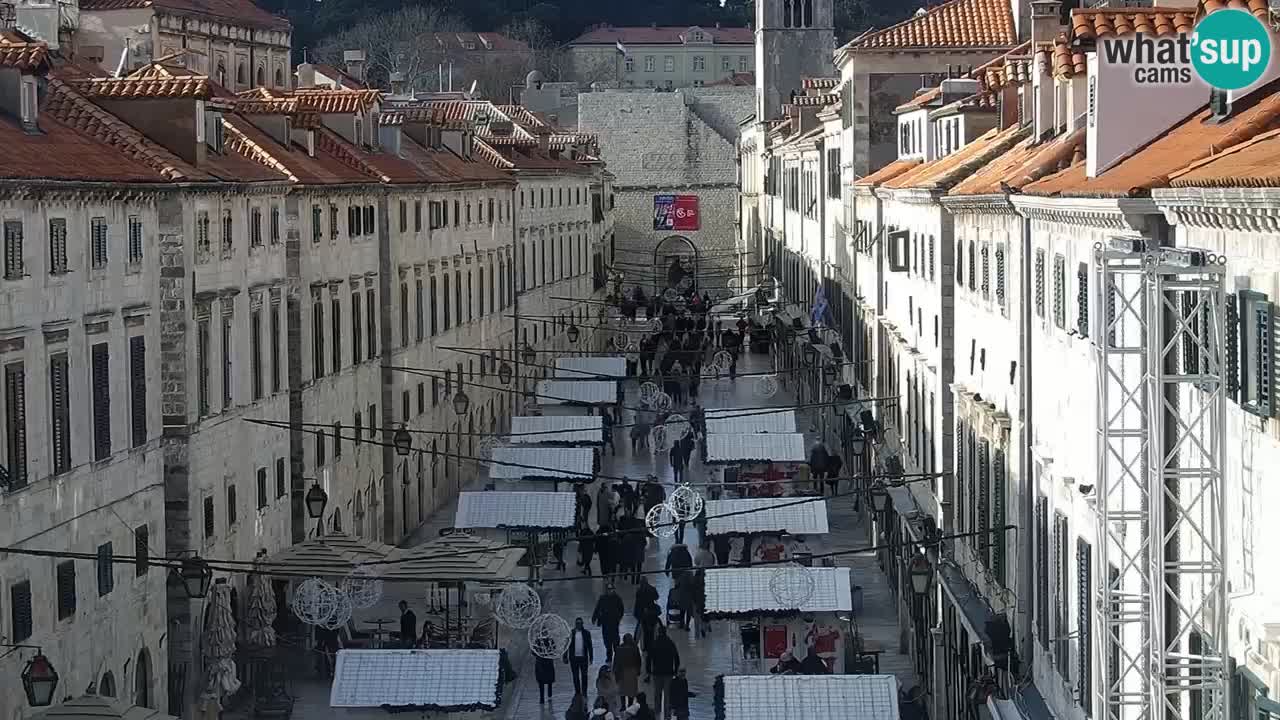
[{"x": 675, "y": 212}]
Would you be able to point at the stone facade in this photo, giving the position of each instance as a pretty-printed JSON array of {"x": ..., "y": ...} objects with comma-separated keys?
[
  {"x": 794, "y": 40},
  {"x": 671, "y": 143}
]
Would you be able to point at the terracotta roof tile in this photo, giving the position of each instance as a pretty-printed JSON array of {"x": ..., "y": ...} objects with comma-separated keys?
[
  {"x": 1255, "y": 163},
  {"x": 1093, "y": 23},
  {"x": 279, "y": 106},
  {"x": 1066, "y": 59},
  {"x": 1025, "y": 163},
  {"x": 823, "y": 83},
  {"x": 815, "y": 100},
  {"x": 240, "y": 142},
  {"x": 945, "y": 172},
  {"x": 20, "y": 53},
  {"x": 492, "y": 156},
  {"x": 561, "y": 141},
  {"x": 955, "y": 24},
  {"x": 522, "y": 116},
  {"x": 1191, "y": 140},
  {"x": 661, "y": 36},
  {"x": 232, "y": 12},
  {"x": 62, "y": 151},
  {"x": 888, "y": 172},
  {"x": 327, "y": 102},
  {"x": 920, "y": 100},
  {"x": 190, "y": 86},
  {"x": 1258, "y": 8}
]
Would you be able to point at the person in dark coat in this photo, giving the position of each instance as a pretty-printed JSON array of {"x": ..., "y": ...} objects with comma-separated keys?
[
  {"x": 645, "y": 594},
  {"x": 586, "y": 549},
  {"x": 607, "y": 549},
  {"x": 678, "y": 695},
  {"x": 787, "y": 665},
  {"x": 634, "y": 544},
  {"x": 678, "y": 562},
  {"x": 665, "y": 659},
  {"x": 678, "y": 461},
  {"x": 813, "y": 664},
  {"x": 626, "y": 669},
  {"x": 408, "y": 626},
  {"x": 834, "y": 465},
  {"x": 608, "y": 615},
  {"x": 654, "y": 494},
  {"x": 578, "y": 656},
  {"x": 723, "y": 546},
  {"x": 544, "y": 671},
  {"x": 650, "y": 621}
]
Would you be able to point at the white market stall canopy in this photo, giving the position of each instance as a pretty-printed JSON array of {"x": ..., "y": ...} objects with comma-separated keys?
[
  {"x": 591, "y": 368},
  {"x": 760, "y": 447},
  {"x": 745, "y": 591},
  {"x": 436, "y": 680},
  {"x": 788, "y": 515},
  {"x": 810, "y": 697},
  {"x": 569, "y": 429},
  {"x": 515, "y": 510},
  {"x": 95, "y": 707},
  {"x": 577, "y": 392},
  {"x": 749, "y": 422},
  {"x": 542, "y": 463},
  {"x": 453, "y": 556}
]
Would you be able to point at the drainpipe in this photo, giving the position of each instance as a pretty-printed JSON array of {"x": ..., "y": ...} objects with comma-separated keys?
[{"x": 1026, "y": 471}]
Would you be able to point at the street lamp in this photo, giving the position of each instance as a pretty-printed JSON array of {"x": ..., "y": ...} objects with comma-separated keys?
[
  {"x": 810, "y": 355},
  {"x": 879, "y": 496},
  {"x": 921, "y": 573},
  {"x": 829, "y": 372},
  {"x": 196, "y": 575},
  {"x": 39, "y": 681},
  {"x": 505, "y": 373},
  {"x": 315, "y": 500},
  {"x": 857, "y": 443},
  {"x": 403, "y": 441},
  {"x": 461, "y": 403},
  {"x": 572, "y": 333}
]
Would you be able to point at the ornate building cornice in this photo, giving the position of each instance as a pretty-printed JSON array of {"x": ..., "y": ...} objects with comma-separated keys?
[
  {"x": 979, "y": 205},
  {"x": 1240, "y": 209},
  {"x": 1123, "y": 215}
]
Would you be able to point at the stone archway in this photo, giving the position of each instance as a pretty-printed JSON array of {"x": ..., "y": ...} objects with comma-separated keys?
[
  {"x": 142, "y": 680},
  {"x": 675, "y": 257}
]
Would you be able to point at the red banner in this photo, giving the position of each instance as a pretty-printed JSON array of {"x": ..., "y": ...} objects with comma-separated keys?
[{"x": 675, "y": 212}]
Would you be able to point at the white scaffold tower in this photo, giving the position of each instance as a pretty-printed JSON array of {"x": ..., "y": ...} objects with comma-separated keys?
[{"x": 1160, "y": 648}]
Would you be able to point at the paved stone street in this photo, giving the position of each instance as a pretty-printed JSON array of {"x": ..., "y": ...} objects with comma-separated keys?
[{"x": 706, "y": 657}]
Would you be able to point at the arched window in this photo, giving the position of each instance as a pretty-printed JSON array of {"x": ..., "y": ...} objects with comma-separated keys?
[
  {"x": 221, "y": 74},
  {"x": 279, "y": 78},
  {"x": 107, "y": 687},
  {"x": 335, "y": 523},
  {"x": 260, "y": 78},
  {"x": 808, "y": 13},
  {"x": 242, "y": 75},
  {"x": 142, "y": 680},
  {"x": 786, "y": 13}
]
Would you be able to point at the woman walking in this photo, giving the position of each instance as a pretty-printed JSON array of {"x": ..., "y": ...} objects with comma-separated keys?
[
  {"x": 544, "y": 671},
  {"x": 626, "y": 663}
]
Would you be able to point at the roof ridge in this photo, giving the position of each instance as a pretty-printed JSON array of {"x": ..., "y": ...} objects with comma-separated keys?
[
  {"x": 330, "y": 142},
  {"x": 1231, "y": 150},
  {"x": 980, "y": 31},
  {"x": 241, "y": 143},
  {"x": 493, "y": 156}
]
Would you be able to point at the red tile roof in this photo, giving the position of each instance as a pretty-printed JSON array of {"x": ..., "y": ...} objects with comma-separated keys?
[
  {"x": 823, "y": 83},
  {"x": 189, "y": 86},
  {"x": 20, "y": 53},
  {"x": 232, "y": 12},
  {"x": 1093, "y": 23},
  {"x": 920, "y": 100},
  {"x": 62, "y": 151},
  {"x": 1067, "y": 60},
  {"x": 1195, "y": 138},
  {"x": 1258, "y": 8},
  {"x": 955, "y": 24},
  {"x": 888, "y": 172},
  {"x": 1255, "y": 163},
  {"x": 662, "y": 36},
  {"x": 945, "y": 172},
  {"x": 329, "y": 102},
  {"x": 1025, "y": 163}
]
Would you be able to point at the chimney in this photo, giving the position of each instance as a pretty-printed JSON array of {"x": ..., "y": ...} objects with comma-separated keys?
[
  {"x": 306, "y": 75},
  {"x": 1046, "y": 21},
  {"x": 354, "y": 60},
  {"x": 397, "y": 83},
  {"x": 544, "y": 138}
]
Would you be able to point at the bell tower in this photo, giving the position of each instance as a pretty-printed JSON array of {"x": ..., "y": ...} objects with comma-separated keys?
[{"x": 795, "y": 39}]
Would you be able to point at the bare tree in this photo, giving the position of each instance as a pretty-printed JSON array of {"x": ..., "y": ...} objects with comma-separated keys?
[
  {"x": 402, "y": 41},
  {"x": 545, "y": 54}
]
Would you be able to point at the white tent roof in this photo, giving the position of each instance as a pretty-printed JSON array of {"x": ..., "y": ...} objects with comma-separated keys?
[
  {"x": 436, "y": 678},
  {"x": 748, "y": 422},
  {"x": 515, "y": 509},
  {"x": 759, "y": 447},
  {"x": 585, "y": 392},
  {"x": 748, "y": 515},
  {"x": 549, "y": 463},
  {"x": 591, "y": 368},
  {"x": 811, "y": 697},
  {"x": 559, "y": 429},
  {"x": 743, "y": 591}
]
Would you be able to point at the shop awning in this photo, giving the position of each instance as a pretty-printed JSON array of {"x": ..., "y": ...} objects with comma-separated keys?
[
  {"x": 745, "y": 592},
  {"x": 591, "y": 368},
  {"x": 333, "y": 555},
  {"x": 577, "y": 392},
  {"x": 747, "y": 422},
  {"x": 440, "y": 681},
  {"x": 457, "y": 555},
  {"x": 515, "y": 510},
  {"x": 809, "y": 697},
  {"x": 566, "y": 429},
  {"x": 95, "y": 707},
  {"x": 758, "y": 447},
  {"x": 542, "y": 463},
  {"x": 767, "y": 515}
]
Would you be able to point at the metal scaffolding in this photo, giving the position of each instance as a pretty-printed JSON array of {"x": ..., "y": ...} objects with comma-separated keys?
[{"x": 1160, "y": 652}]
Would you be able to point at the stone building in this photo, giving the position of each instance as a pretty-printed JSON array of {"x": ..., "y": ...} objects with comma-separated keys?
[
  {"x": 660, "y": 57},
  {"x": 234, "y": 42},
  {"x": 681, "y": 143}
]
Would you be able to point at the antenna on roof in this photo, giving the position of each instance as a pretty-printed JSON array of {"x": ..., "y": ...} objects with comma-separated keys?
[
  {"x": 471, "y": 94},
  {"x": 124, "y": 58}
]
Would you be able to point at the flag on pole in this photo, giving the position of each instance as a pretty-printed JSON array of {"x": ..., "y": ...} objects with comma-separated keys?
[{"x": 622, "y": 49}]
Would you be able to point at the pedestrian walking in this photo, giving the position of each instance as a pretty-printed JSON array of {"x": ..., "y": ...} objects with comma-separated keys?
[
  {"x": 577, "y": 709},
  {"x": 634, "y": 544},
  {"x": 544, "y": 671},
  {"x": 408, "y": 626},
  {"x": 582, "y": 507},
  {"x": 607, "y": 549},
  {"x": 578, "y": 656},
  {"x": 678, "y": 461},
  {"x": 723, "y": 547},
  {"x": 626, "y": 668},
  {"x": 698, "y": 590},
  {"x": 678, "y": 696},
  {"x": 666, "y": 660},
  {"x": 678, "y": 562},
  {"x": 650, "y": 621},
  {"x": 586, "y": 549},
  {"x": 704, "y": 558},
  {"x": 606, "y": 419},
  {"x": 834, "y": 465},
  {"x": 606, "y": 687},
  {"x": 604, "y": 505},
  {"x": 608, "y": 615}
]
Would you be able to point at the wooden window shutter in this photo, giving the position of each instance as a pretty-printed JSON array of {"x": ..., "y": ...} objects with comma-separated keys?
[{"x": 100, "y": 362}]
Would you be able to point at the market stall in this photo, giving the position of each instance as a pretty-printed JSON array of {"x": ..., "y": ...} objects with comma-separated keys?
[
  {"x": 807, "y": 697},
  {"x": 750, "y": 421},
  {"x": 443, "y": 682},
  {"x": 553, "y": 464},
  {"x": 553, "y": 430},
  {"x": 770, "y": 625},
  {"x": 96, "y": 707},
  {"x": 575, "y": 397},
  {"x": 591, "y": 368},
  {"x": 334, "y": 555},
  {"x": 756, "y": 465},
  {"x": 767, "y": 529},
  {"x": 539, "y": 521}
]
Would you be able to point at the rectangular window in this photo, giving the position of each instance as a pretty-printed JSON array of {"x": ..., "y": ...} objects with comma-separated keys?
[
  {"x": 1043, "y": 610},
  {"x": 357, "y": 334},
  {"x": 742, "y": 63},
  {"x": 255, "y": 353},
  {"x": 209, "y": 527},
  {"x": 333, "y": 222},
  {"x": 100, "y": 371},
  {"x": 404, "y": 216},
  {"x": 358, "y": 424},
  {"x": 422, "y": 398},
  {"x": 226, "y": 232},
  {"x": 202, "y": 231},
  {"x": 226, "y": 361},
  {"x": 141, "y": 551},
  {"x": 98, "y": 242},
  {"x": 317, "y": 338},
  {"x": 57, "y": 246},
  {"x": 480, "y": 294},
  {"x": 138, "y": 389},
  {"x": 699, "y": 63},
  {"x": 417, "y": 216},
  {"x": 1082, "y": 300},
  {"x": 404, "y": 314},
  {"x": 135, "y": 239},
  {"x": 13, "y": 250},
  {"x": 669, "y": 63},
  {"x": 255, "y": 227},
  {"x": 434, "y": 303},
  {"x": 1000, "y": 274},
  {"x": 275, "y": 224},
  {"x": 1255, "y": 351},
  {"x": 447, "y": 302},
  {"x": 66, "y": 582},
  {"x": 337, "y": 440},
  {"x": 262, "y": 488},
  {"x": 317, "y": 215},
  {"x": 986, "y": 271},
  {"x": 1084, "y": 620},
  {"x": 274, "y": 341},
  {"x": 281, "y": 485},
  {"x": 353, "y": 222},
  {"x": 648, "y": 67},
  {"x": 369, "y": 225},
  {"x": 335, "y": 324},
  {"x": 106, "y": 570},
  {"x": 320, "y": 456},
  {"x": 371, "y": 309},
  {"x": 630, "y": 64},
  {"x": 1062, "y": 580},
  {"x": 373, "y": 414},
  {"x": 232, "y": 507},
  {"x": 60, "y": 413},
  {"x": 202, "y": 365},
  {"x": 419, "y": 321},
  {"x": 20, "y": 619},
  {"x": 405, "y": 407},
  {"x": 1059, "y": 291},
  {"x": 1039, "y": 280}
]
